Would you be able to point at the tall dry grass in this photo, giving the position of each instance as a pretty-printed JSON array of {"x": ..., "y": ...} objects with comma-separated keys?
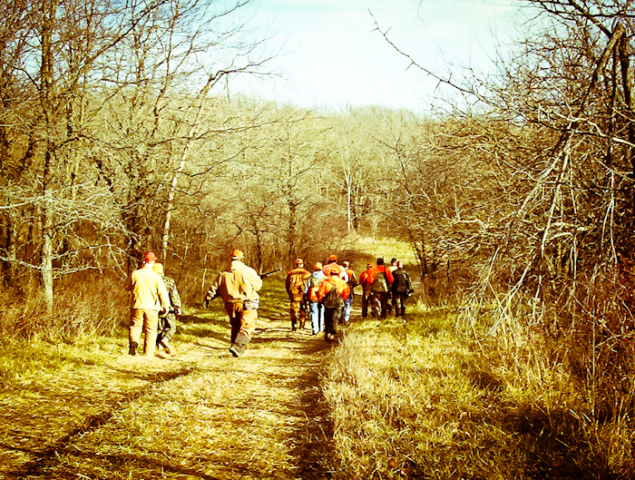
[
  {"x": 84, "y": 305},
  {"x": 421, "y": 400}
]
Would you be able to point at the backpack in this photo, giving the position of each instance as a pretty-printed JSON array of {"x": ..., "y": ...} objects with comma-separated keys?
[
  {"x": 401, "y": 283},
  {"x": 380, "y": 284},
  {"x": 332, "y": 299}
]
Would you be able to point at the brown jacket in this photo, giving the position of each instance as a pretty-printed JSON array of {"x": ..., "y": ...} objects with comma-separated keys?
[{"x": 236, "y": 284}]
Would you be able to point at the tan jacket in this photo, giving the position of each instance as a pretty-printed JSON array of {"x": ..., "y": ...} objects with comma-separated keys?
[
  {"x": 236, "y": 284},
  {"x": 148, "y": 290}
]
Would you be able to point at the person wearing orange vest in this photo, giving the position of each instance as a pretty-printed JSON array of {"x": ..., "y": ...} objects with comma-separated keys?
[
  {"x": 380, "y": 279},
  {"x": 364, "y": 281},
  {"x": 295, "y": 286},
  {"x": 332, "y": 264},
  {"x": 238, "y": 286},
  {"x": 348, "y": 303},
  {"x": 332, "y": 293},
  {"x": 311, "y": 289}
]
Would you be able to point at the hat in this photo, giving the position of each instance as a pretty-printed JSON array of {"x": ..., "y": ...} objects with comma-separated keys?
[
  {"x": 346, "y": 263},
  {"x": 332, "y": 258},
  {"x": 149, "y": 257},
  {"x": 369, "y": 265},
  {"x": 299, "y": 261},
  {"x": 237, "y": 255},
  {"x": 158, "y": 267},
  {"x": 317, "y": 266}
]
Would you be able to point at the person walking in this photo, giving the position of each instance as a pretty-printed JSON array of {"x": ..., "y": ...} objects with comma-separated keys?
[
  {"x": 332, "y": 264},
  {"x": 148, "y": 297},
  {"x": 238, "y": 286},
  {"x": 381, "y": 279},
  {"x": 332, "y": 293},
  {"x": 167, "y": 321},
  {"x": 401, "y": 289},
  {"x": 348, "y": 303},
  {"x": 295, "y": 286},
  {"x": 391, "y": 303},
  {"x": 364, "y": 281},
  {"x": 316, "y": 308}
]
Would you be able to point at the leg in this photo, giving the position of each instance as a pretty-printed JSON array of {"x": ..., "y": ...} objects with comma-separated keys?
[
  {"x": 294, "y": 312},
  {"x": 346, "y": 310},
  {"x": 233, "y": 311},
  {"x": 167, "y": 330},
  {"x": 315, "y": 317},
  {"x": 365, "y": 302},
  {"x": 383, "y": 299},
  {"x": 150, "y": 323},
  {"x": 134, "y": 331},
  {"x": 376, "y": 305},
  {"x": 330, "y": 317},
  {"x": 321, "y": 317}
]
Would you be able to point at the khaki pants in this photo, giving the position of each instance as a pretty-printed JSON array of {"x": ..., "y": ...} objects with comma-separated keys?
[{"x": 147, "y": 321}]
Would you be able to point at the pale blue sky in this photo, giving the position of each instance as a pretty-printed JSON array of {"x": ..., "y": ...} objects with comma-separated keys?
[{"x": 330, "y": 56}]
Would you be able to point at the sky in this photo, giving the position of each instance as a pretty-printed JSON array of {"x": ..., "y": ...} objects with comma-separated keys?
[{"x": 329, "y": 54}]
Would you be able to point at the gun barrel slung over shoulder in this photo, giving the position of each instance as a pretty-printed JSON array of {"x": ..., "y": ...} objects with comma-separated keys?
[{"x": 267, "y": 274}]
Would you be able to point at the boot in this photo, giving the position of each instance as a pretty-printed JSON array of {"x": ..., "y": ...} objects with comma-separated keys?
[
  {"x": 132, "y": 349},
  {"x": 169, "y": 349},
  {"x": 240, "y": 345}
]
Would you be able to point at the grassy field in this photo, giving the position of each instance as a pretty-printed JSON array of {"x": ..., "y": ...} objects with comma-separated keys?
[{"x": 411, "y": 398}]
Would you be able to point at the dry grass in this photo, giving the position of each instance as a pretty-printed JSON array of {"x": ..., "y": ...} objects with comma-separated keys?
[
  {"x": 89, "y": 410},
  {"x": 414, "y": 401}
]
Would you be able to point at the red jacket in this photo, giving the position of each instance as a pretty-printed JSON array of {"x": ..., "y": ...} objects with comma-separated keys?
[{"x": 364, "y": 280}]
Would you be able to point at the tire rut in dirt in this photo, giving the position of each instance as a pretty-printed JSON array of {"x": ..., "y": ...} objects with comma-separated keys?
[{"x": 49, "y": 456}]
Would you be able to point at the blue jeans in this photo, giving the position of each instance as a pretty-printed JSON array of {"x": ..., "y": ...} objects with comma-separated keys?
[
  {"x": 346, "y": 309},
  {"x": 317, "y": 317}
]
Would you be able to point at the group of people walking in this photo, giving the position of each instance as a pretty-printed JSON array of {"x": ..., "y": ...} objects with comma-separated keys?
[{"x": 326, "y": 295}]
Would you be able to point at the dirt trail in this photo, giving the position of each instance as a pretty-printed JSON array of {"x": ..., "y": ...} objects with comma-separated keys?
[{"x": 199, "y": 414}]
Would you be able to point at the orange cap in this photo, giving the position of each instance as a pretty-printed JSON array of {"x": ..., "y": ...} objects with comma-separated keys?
[
  {"x": 332, "y": 258},
  {"x": 317, "y": 266},
  {"x": 237, "y": 255},
  {"x": 149, "y": 257},
  {"x": 299, "y": 261}
]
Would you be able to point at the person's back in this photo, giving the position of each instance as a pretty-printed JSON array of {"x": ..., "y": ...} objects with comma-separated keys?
[
  {"x": 332, "y": 292},
  {"x": 239, "y": 283},
  {"x": 238, "y": 286},
  {"x": 315, "y": 307},
  {"x": 380, "y": 279},
  {"x": 401, "y": 289},
  {"x": 295, "y": 285}
]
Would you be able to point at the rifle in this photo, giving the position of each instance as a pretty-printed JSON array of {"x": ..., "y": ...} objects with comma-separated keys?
[{"x": 265, "y": 275}]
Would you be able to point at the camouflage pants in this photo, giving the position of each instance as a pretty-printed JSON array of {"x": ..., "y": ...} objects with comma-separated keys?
[
  {"x": 379, "y": 303},
  {"x": 167, "y": 328},
  {"x": 298, "y": 313}
]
